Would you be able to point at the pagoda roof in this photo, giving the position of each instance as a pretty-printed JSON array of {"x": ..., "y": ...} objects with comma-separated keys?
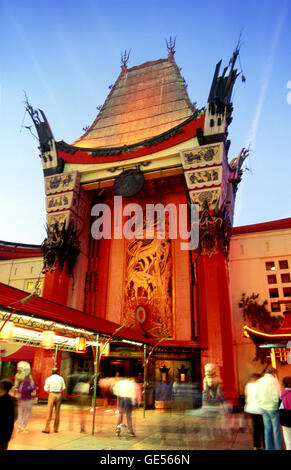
[
  {"x": 146, "y": 100},
  {"x": 175, "y": 136}
]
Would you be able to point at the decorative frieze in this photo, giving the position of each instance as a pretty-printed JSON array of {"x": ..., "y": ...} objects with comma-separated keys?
[
  {"x": 200, "y": 178},
  {"x": 62, "y": 198},
  {"x": 208, "y": 155},
  {"x": 60, "y": 183},
  {"x": 61, "y": 202},
  {"x": 211, "y": 196},
  {"x": 60, "y": 218}
]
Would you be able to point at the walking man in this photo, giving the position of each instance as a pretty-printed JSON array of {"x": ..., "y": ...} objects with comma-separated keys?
[
  {"x": 128, "y": 394},
  {"x": 268, "y": 400},
  {"x": 54, "y": 385}
]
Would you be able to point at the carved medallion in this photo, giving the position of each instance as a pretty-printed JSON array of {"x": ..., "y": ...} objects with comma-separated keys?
[{"x": 128, "y": 183}]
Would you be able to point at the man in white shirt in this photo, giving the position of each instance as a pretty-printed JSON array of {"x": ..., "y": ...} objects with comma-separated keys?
[
  {"x": 128, "y": 394},
  {"x": 268, "y": 400},
  {"x": 54, "y": 385}
]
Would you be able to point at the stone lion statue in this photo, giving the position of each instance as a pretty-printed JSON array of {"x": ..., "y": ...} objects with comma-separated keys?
[{"x": 212, "y": 386}]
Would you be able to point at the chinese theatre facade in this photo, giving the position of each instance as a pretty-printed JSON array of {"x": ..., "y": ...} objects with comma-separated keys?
[{"x": 148, "y": 147}]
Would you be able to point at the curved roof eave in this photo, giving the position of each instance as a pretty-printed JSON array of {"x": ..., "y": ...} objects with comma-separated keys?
[
  {"x": 177, "y": 134},
  {"x": 281, "y": 334}
]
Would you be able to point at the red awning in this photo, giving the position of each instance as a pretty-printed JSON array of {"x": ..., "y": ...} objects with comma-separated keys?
[
  {"x": 48, "y": 310},
  {"x": 15, "y": 352}
]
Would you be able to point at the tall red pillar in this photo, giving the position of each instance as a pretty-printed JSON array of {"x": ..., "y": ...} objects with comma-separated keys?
[
  {"x": 56, "y": 285},
  {"x": 215, "y": 314}
]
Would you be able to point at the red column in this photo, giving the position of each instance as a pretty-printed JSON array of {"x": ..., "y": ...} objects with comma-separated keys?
[
  {"x": 56, "y": 286},
  {"x": 215, "y": 315},
  {"x": 42, "y": 366}
]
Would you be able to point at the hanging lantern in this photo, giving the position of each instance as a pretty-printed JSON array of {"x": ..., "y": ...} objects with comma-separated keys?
[
  {"x": 80, "y": 344},
  {"x": 6, "y": 331},
  {"x": 48, "y": 339}
]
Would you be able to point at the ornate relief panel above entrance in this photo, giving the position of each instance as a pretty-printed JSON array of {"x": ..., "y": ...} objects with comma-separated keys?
[{"x": 147, "y": 298}]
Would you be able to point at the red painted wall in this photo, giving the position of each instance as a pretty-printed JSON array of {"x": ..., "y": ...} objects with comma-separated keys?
[{"x": 216, "y": 320}]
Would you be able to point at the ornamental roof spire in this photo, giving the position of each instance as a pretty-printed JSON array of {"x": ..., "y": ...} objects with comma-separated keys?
[
  {"x": 171, "y": 44},
  {"x": 124, "y": 60}
]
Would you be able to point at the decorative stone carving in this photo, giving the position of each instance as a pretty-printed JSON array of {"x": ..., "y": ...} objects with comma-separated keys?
[
  {"x": 148, "y": 286},
  {"x": 214, "y": 232},
  {"x": 200, "y": 178},
  {"x": 63, "y": 201},
  {"x": 208, "y": 155},
  {"x": 62, "y": 219},
  {"x": 62, "y": 246},
  {"x": 212, "y": 386},
  {"x": 60, "y": 183},
  {"x": 209, "y": 196}
]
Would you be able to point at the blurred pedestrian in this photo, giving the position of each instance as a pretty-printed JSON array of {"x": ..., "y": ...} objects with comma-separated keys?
[
  {"x": 26, "y": 390},
  {"x": 253, "y": 409},
  {"x": 8, "y": 413},
  {"x": 285, "y": 411},
  {"x": 128, "y": 394},
  {"x": 268, "y": 395},
  {"x": 82, "y": 398},
  {"x": 54, "y": 385}
]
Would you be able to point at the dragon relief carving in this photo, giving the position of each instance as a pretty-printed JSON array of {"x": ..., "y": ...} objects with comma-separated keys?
[
  {"x": 148, "y": 286},
  {"x": 62, "y": 247},
  {"x": 214, "y": 231}
]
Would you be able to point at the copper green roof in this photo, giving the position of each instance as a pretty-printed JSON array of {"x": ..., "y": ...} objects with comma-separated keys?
[{"x": 145, "y": 101}]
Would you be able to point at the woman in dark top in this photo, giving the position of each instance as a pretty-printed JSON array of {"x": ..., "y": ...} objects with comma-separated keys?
[{"x": 8, "y": 413}]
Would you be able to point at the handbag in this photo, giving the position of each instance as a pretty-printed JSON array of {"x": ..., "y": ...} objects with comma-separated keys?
[{"x": 285, "y": 417}]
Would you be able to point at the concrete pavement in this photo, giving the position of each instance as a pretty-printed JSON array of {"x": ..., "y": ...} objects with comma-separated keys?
[{"x": 154, "y": 430}]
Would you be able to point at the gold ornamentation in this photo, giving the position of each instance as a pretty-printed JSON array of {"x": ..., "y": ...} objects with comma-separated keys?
[{"x": 148, "y": 284}]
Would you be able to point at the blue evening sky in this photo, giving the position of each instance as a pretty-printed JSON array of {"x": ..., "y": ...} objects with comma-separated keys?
[{"x": 66, "y": 54}]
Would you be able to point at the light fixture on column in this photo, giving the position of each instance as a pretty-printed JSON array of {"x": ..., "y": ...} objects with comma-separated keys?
[
  {"x": 48, "y": 339},
  {"x": 6, "y": 331},
  {"x": 80, "y": 344},
  {"x": 183, "y": 373},
  {"x": 164, "y": 371}
]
